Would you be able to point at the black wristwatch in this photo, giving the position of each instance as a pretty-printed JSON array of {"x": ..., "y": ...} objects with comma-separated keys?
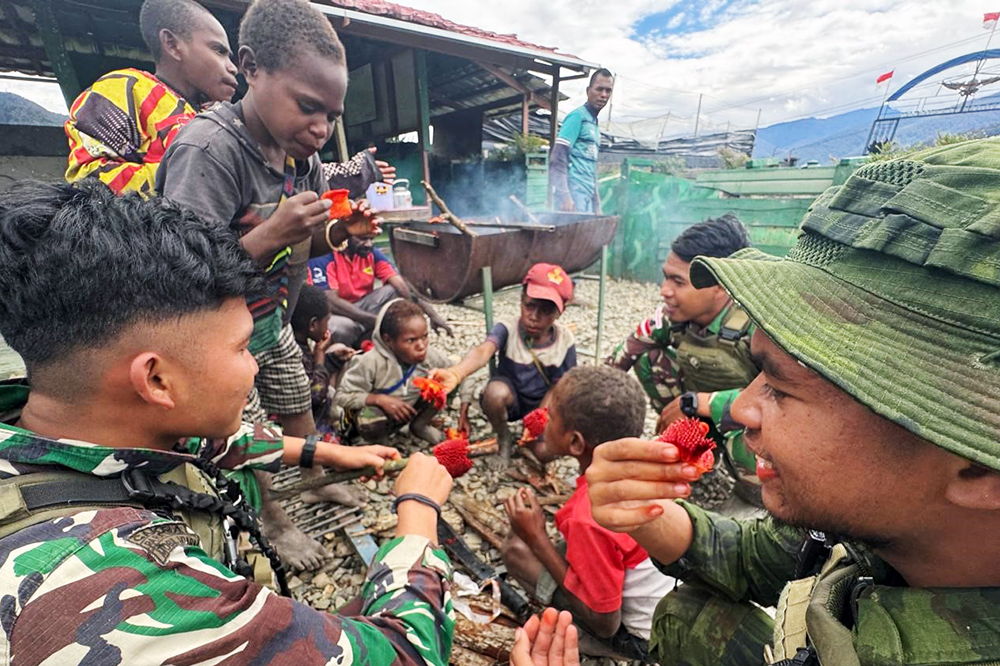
[
  {"x": 308, "y": 451},
  {"x": 689, "y": 403}
]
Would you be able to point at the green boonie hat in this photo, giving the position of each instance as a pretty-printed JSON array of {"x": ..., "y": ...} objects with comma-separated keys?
[{"x": 892, "y": 292}]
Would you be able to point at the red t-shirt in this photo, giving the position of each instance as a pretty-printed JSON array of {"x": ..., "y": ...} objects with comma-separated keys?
[
  {"x": 597, "y": 557},
  {"x": 353, "y": 277}
]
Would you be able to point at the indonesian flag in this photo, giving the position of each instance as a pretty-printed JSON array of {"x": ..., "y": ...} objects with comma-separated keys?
[
  {"x": 885, "y": 77},
  {"x": 990, "y": 20}
]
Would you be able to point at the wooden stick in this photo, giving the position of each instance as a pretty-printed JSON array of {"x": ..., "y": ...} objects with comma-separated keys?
[
  {"x": 479, "y": 526},
  {"x": 526, "y": 211},
  {"x": 445, "y": 212},
  {"x": 483, "y": 448}
]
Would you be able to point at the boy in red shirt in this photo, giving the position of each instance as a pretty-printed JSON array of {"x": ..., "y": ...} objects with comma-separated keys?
[{"x": 604, "y": 578}]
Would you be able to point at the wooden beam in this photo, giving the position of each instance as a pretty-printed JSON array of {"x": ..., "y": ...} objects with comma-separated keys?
[
  {"x": 525, "y": 104},
  {"x": 516, "y": 85},
  {"x": 55, "y": 50},
  {"x": 554, "y": 108},
  {"x": 423, "y": 109}
]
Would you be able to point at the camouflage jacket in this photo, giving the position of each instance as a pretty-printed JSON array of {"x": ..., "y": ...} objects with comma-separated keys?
[
  {"x": 129, "y": 586},
  {"x": 853, "y": 610}
]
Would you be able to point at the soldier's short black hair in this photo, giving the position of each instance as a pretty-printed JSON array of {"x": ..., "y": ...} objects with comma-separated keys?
[
  {"x": 279, "y": 30},
  {"x": 398, "y": 312},
  {"x": 312, "y": 305},
  {"x": 177, "y": 16},
  {"x": 715, "y": 237},
  {"x": 601, "y": 403},
  {"x": 79, "y": 266},
  {"x": 600, "y": 72}
]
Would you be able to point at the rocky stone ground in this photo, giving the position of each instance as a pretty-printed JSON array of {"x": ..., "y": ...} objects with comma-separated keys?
[{"x": 627, "y": 303}]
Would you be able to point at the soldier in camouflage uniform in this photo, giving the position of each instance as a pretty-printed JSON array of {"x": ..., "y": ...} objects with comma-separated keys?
[
  {"x": 696, "y": 341},
  {"x": 118, "y": 531},
  {"x": 876, "y": 417}
]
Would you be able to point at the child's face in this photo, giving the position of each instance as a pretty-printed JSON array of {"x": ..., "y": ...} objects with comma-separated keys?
[
  {"x": 410, "y": 346},
  {"x": 318, "y": 328},
  {"x": 555, "y": 441},
  {"x": 298, "y": 105},
  {"x": 207, "y": 63},
  {"x": 537, "y": 316}
]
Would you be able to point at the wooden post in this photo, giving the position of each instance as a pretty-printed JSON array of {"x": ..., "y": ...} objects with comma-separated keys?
[
  {"x": 55, "y": 49},
  {"x": 341, "y": 134},
  {"x": 524, "y": 114},
  {"x": 423, "y": 110},
  {"x": 553, "y": 129}
]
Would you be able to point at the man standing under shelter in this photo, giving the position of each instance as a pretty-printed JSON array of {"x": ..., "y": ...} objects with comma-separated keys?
[{"x": 573, "y": 162}]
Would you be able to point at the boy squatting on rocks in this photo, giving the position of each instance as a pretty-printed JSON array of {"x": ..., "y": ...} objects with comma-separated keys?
[
  {"x": 138, "y": 379},
  {"x": 252, "y": 167},
  {"x": 605, "y": 579},
  {"x": 875, "y": 419},
  {"x": 120, "y": 127},
  {"x": 377, "y": 389},
  {"x": 534, "y": 350}
]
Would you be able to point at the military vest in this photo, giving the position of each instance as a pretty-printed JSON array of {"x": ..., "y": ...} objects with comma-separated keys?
[
  {"x": 716, "y": 361},
  {"x": 842, "y": 617}
]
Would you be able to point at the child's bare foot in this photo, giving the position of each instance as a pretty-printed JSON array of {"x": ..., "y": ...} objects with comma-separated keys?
[
  {"x": 426, "y": 432},
  {"x": 338, "y": 493},
  {"x": 296, "y": 548},
  {"x": 501, "y": 459}
]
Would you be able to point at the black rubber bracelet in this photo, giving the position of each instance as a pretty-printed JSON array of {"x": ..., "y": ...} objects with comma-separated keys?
[
  {"x": 423, "y": 499},
  {"x": 308, "y": 451}
]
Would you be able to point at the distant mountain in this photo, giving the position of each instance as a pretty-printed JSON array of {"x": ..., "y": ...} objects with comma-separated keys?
[
  {"x": 844, "y": 135},
  {"x": 16, "y": 110}
]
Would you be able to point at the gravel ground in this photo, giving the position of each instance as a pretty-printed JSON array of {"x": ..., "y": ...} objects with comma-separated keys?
[{"x": 627, "y": 303}]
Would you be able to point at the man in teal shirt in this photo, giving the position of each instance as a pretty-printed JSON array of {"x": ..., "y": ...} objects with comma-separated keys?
[{"x": 573, "y": 167}]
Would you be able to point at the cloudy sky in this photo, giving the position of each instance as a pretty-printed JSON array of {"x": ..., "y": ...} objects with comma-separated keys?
[{"x": 787, "y": 58}]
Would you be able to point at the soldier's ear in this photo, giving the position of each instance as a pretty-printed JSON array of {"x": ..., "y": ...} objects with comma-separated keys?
[
  {"x": 973, "y": 486},
  {"x": 146, "y": 373}
]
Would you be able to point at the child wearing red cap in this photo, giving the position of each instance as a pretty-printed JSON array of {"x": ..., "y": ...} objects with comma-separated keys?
[{"x": 534, "y": 350}]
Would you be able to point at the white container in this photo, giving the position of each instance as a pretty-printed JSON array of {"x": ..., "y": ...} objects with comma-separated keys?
[
  {"x": 401, "y": 196},
  {"x": 380, "y": 196}
]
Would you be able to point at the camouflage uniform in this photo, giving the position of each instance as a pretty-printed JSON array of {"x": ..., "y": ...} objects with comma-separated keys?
[
  {"x": 670, "y": 359},
  {"x": 126, "y": 585},
  {"x": 892, "y": 293},
  {"x": 735, "y": 566}
]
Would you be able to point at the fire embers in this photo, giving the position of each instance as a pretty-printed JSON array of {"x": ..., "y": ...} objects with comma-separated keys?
[
  {"x": 431, "y": 392},
  {"x": 340, "y": 205},
  {"x": 453, "y": 454},
  {"x": 690, "y": 436},
  {"x": 534, "y": 424}
]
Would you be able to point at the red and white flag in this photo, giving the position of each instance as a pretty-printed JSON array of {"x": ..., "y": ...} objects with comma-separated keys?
[
  {"x": 990, "y": 20},
  {"x": 885, "y": 77}
]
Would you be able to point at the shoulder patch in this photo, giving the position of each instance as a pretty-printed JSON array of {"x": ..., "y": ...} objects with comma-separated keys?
[{"x": 159, "y": 539}]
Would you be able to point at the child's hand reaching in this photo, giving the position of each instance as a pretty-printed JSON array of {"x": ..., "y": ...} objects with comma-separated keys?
[
  {"x": 526, "y": 518},
  {"x": 447, "y": 377},
  {"x": 550, "y": 641},
  {"x": 396, "y": 409},
  {"x": 341, "y": 351},
  {"x": 363, "y": 220}
]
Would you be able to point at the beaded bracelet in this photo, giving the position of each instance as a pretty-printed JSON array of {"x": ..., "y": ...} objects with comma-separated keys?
[{"x": 423, "y": 499}]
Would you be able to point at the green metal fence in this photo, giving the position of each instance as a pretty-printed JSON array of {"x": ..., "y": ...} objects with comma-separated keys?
[{"x": 655, "y": 207}]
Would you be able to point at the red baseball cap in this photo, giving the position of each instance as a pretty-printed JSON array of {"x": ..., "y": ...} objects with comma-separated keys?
[{"x": 549, "y": 282}]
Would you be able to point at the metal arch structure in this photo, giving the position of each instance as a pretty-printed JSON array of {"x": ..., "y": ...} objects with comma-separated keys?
[{"x": 885, "y": 124}]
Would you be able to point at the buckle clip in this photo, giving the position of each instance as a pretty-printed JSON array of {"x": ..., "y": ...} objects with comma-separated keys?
[{"x": 138, "y": 486}]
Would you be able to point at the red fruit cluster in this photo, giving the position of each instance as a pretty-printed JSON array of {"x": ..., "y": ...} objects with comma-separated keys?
[
  {"x": 535, "y": 421},
  {"x": 690, "y": 436},
  {"x": 455, "y": 433},
  {"x": 453, "y": 454},
  {"x": 340, "y": 205},
  {"x": 431, "y": 392}
]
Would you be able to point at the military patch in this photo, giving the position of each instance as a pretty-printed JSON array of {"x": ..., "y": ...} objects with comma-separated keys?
[{"x": 160, "y": 539}]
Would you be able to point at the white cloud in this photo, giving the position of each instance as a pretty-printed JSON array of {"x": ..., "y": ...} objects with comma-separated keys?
[{"x": 784, "y": 57}]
